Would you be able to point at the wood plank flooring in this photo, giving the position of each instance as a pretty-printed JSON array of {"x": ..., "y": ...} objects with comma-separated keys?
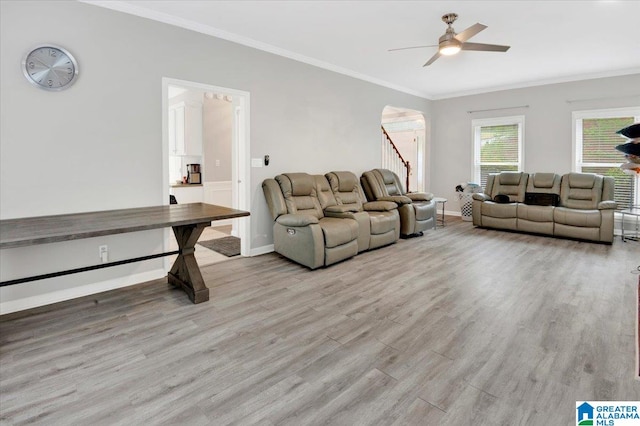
[{"x": 461, "y": 326}]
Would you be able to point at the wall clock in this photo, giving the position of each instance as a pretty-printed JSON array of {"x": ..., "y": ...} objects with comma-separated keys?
[{"x": 50, "y": 67}]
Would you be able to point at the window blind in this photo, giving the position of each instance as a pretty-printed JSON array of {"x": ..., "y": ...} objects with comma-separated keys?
[
  {"x": 599, "y": 139},
  {"x": 498, "y": 150},
  {"x": 499, "y": 144}
]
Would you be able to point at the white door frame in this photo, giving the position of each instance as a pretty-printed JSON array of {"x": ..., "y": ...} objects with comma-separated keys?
[{"x": 241, "y": 172}]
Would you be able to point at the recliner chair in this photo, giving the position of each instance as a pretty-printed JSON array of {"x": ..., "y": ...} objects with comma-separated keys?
[
  {"x": 417, "y": 209},
  {"x": 379, "y": 221},
  {"x": 301, "y": 231}
]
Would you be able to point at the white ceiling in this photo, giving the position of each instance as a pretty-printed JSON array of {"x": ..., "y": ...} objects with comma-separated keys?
[{"x": 551, "y": 41}]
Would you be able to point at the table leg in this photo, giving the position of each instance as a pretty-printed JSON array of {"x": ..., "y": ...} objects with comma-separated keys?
[{"x": 185, "y": 272}]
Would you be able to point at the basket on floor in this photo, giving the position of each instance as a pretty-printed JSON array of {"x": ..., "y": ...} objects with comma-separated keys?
[{"x": 466, "y": 206}]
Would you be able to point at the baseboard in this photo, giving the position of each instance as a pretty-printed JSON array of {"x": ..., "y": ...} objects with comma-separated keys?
[
  {"x": 450, "y": 213},
  {"x": 80, "y": 291},
  {"x": 261, "y": 250}
]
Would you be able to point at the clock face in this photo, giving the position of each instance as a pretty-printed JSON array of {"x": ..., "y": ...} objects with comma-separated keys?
[{"x": 50, "y": 68}]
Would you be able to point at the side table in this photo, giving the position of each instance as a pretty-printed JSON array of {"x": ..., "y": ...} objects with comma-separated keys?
[
  {"x": 440, "y": 200},
  {"x": 633, "y": 211}
]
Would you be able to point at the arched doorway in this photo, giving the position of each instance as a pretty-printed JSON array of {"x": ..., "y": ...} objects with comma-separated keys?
[{"x": 403, "y": 145}]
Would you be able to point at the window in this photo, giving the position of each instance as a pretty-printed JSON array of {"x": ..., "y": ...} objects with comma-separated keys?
[
  {"x": 595, "y": 139},
  {"x": 498, "y": 146}
]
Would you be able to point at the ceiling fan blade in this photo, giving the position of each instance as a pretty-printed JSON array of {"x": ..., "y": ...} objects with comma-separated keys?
[
  {"x": 485, "y": 47},
  {"x": 412, "y": 47},
  {"x": 432, "y": 60},
  {"x": 470, "y": 32}
]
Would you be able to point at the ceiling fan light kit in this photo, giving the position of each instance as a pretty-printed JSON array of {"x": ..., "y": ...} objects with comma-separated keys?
[
  {"x": 450, "y": 47},
  {"x": 451, "y": 42}
]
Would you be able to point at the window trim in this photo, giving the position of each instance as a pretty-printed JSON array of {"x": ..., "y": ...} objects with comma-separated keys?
[
  {"x": 576, "y": 136},
  {"x": 477, "y": 124}
]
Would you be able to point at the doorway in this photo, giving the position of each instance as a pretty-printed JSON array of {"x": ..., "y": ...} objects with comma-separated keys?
[
  {"x": 206, "y": 126},
  {"x": 404, "y": 141}
]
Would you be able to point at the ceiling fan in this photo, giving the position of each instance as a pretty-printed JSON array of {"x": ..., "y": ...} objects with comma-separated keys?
[{"x": 451, "y": 43}]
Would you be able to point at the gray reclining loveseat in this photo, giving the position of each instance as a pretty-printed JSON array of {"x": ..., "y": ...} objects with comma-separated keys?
[
  {"x": 378, "y": 221},
  {"x": 316, "y": 227},
  {"x": 584, "y": 207}
]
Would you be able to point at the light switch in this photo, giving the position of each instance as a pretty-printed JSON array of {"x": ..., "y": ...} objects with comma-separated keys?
[{"x": 256, "y": 162}]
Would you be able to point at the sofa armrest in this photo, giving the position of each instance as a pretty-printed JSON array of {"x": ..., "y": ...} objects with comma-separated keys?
[
  {"x": 607, "y": 205},
  {"x": 296, "y": 220},
  {"x": 481, "y": 197},
  {"x": 398, "y": 199},
  {"x": 342, "y": 208},
  {"x": 379, "y": 206},
  {"x": 419, "y": 196}
]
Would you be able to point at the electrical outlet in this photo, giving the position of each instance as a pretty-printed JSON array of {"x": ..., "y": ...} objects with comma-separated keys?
[{"x": 103, "y": 252}]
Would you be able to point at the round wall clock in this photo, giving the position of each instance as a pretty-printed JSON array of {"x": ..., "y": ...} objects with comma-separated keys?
[{"x": 50, "y": 67}]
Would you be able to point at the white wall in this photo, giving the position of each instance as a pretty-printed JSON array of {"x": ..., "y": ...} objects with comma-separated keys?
[
  {"x": 98, "y": 145},
  {"x": 548, "y": 125},
  {"x": 217, "y": 138}
]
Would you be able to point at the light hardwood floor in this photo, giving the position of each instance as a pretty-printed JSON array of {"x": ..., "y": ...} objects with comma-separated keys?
[{"x": 461, "y": 326}]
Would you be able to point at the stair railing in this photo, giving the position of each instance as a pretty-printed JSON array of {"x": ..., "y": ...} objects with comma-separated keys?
[{"x": 393, "y": 160}]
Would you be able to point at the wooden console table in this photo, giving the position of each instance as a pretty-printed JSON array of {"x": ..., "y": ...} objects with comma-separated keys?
[{"x": 187, "y": 220}]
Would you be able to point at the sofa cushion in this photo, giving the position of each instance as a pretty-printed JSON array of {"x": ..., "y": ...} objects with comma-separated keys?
[
  {"x": 324, "y": 193},
  {"x": 383, "y": 222},
  {"x": 301, "y": 184},
  {"x": 389, "y": 182},
  {"x": 535, "y": 227},
  {"x": 535, "y": 213},
  {"x": 581, "y": 180},
  {"x": 300, "y": 195},
  {"x": 582, "y": 233},
  {"x": 503, "y": 211},
  {"x": 345, "y": 188},
  {"x": 346, "y": 181},
  {"x": 379, "y": 206},
  {"x": 579, "y": 218},
  {"x": 338, "y": 231},
  {"x": 581, "y": 191},
  {"x": 419, "y": 196},
  {"x": 500, "y": 222},
  {"x": 509, "y": 178},
  {"x": 544, "y": 180},
  {"x": 512, "y": 184}
]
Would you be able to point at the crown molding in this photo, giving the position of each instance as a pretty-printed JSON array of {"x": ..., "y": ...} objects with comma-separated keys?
[
  {"x": 122, "y": 6},
  {"x": 544, "y": 82},
  {"x": 125, "y": 7}
]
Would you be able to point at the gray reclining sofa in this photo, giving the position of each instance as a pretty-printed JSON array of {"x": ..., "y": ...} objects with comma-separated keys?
[
  {"x": 584, "y": 210},
  {"x": 322, "y": 220}
]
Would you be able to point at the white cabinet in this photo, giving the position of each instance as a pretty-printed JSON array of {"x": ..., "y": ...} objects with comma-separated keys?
[
  {"x": 188, "y": 193},
  {"x": 185, "y": 129}
]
